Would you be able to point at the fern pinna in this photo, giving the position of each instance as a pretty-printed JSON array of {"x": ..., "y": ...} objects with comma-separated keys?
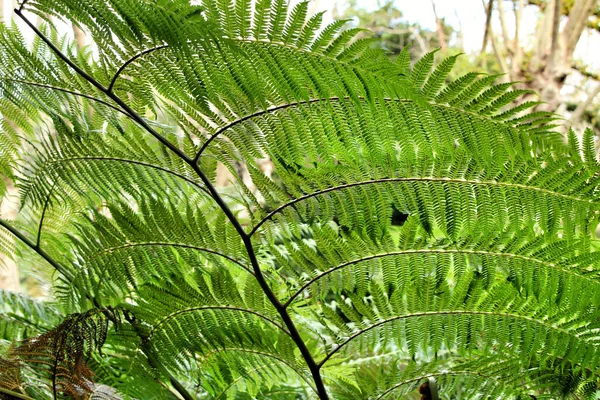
[{"x": 411, "y": 235}]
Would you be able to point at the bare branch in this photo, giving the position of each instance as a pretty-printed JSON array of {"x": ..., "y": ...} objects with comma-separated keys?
[
  {"x": 488, "y": 23},
  {"x": 583, "y": 70},
  {"x": 500, "y": 58},
  {"x": 517, "y": 51},
  {"x": 461, "y": 35},
  {"x": 505, "y": 37},
  {"x": 578, "y": 18},
  {"x": 554, "y": 41},
  {"x": 439, "y": 28}
]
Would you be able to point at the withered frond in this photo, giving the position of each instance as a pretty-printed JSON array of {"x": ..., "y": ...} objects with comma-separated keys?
[
  {"x": 10, "y": 377},
  {"x": 59, "y": 354}
]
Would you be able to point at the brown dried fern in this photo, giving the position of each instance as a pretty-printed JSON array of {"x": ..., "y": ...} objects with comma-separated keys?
[
  {"x": 10, "y": 378},
  {"x": 59, "y": 354}
]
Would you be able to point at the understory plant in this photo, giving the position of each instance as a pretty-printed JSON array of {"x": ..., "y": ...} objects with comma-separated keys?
[{"x": 230, "y": 200}]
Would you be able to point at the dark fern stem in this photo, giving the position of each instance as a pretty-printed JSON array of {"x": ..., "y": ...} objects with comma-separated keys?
[{"x": 246, "y": 238}]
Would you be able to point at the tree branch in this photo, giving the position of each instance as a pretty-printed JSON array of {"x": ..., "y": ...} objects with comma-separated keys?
[
  {"x": 554, "y": 40},
  {"x": 499, "y": 56},
  {"x": 578, "y": 18},
  {"x": 505, "y": 38},
  {"x": 439, "y": 28},
  {"x": 488, "y": 23},
  {"x": 585, "y": 72},
  {"x": 79, "y": 36},
  {"x": 517, "y": 50}
]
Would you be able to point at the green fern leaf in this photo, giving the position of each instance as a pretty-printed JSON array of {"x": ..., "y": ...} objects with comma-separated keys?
[
  {"x": 422, "y": 69},
  {"x": 403, "y": 60},
  {"x": 436, "y": 80}
]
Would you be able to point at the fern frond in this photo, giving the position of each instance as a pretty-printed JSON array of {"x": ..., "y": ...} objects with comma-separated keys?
[{"x": 404, "y": 228}]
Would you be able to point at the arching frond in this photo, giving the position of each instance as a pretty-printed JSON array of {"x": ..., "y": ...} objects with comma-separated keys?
[{"x": 377, "y": 227}]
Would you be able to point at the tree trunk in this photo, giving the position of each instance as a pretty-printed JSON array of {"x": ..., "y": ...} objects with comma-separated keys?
[
  {"x": 79, "y": 37},
  {"x": 552, "y": 59},
  {"x": 439, "y": 28}
]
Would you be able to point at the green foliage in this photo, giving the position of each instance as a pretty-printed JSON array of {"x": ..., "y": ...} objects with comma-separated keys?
[{"x": 411, "y": 228}]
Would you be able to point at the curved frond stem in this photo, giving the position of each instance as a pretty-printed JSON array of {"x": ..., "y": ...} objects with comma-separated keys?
[
  {"x": 438, "y": 313},
  {"x": 218, "y": 199},
  {"x": 127, "y": 110},
  {"x": 240, "y": 120},
  {"x": 414, "y": 179},
  {"x": 417, "y": 379},
  {"x": 60, "y": 89},
  {"x": 289, "y": 323},
  {"x": 132, "y": 59},
  {"x": 262, "y": 354},
  {"x": 294, "y": 333},
  {"x": 56, "y": 50},
  {"x": 54, "y": 375},
  {"x": 137, "y": 118},
  {"x": 210, "y": 308},
  {"x": 254, "y": 115},
  {"x": 435, "y": 251},
  {"x": 152, "y": 356},
  {"x": 16, "y": 395},
  {"x": 41, "y": 224},
  {"x": 55, "y": 264},
  {"x": 239, "y": 378},
  {"x": 22, "y": 5},
  {"x": 129, "y": 161},
  {"x": 182, "y": 245}
]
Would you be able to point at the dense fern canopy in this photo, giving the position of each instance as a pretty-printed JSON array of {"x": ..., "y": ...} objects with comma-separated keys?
[{"x": 407, "y": 231}]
